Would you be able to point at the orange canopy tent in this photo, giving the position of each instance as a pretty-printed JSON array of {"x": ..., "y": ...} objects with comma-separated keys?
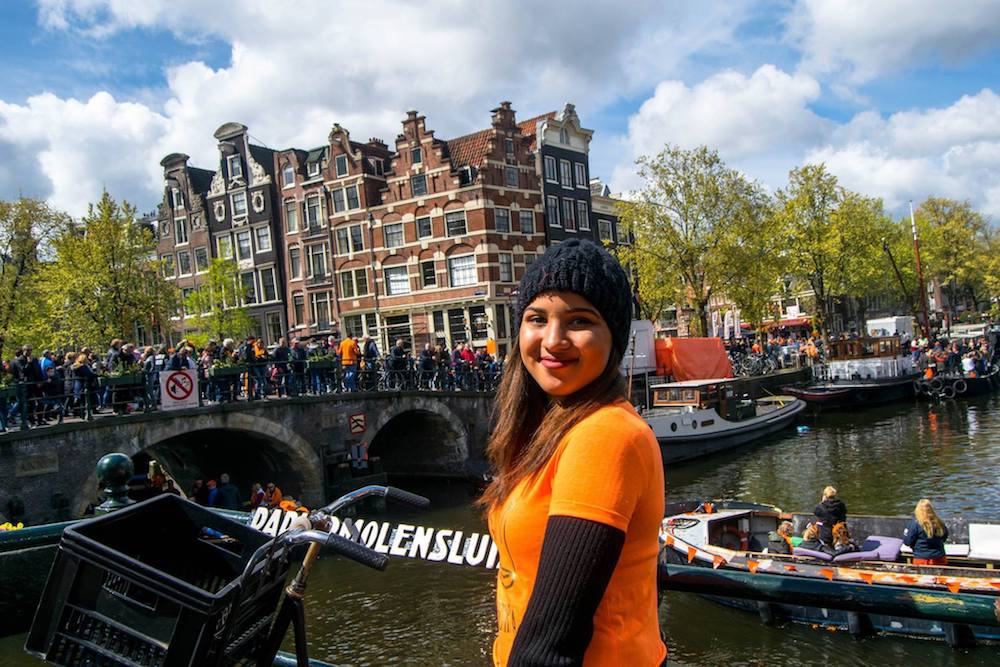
[{"x": 692, "y": 358}]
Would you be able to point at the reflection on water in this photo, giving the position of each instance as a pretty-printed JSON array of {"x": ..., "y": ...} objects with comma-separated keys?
[{"x": 881, "y": 460}]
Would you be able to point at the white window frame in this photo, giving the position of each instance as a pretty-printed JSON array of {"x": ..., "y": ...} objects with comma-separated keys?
[
  {"x": 243, "y": 286},
  {"x": 228, "y": 238},
  {"x": 295, "y": 274},
  {"x": 168, "y": 262},
  {"x": 267, "y": 236},
  {"x": 178, "y": 199},
  {"x": 395, "y": 232},
  {"x": 498, "y": 214},
  {"x": 310, "y": 266},
  {"x": 357, "y": 197},
  {"x": 423, "y": 274},
  {"x": 430, "y": 227},
  {"x": 288, "y": 176},
  {"x": 339, "y": 200},
  {"x": 236, "y": 245},
  {"x": 552, "y": 204},
  {"x": 418, "y": 178},
  {"x": 274, "y": 283},
  {"x": 569, "y": 214},
  {"x": 359, "y": 237},
  {"x": 299, "y": 308},
  {"x": 242, "y": 196},
  {"x": 232, "y": 160},
  {"x": 320, "y": 223},
  {"x": 506, "y": 267},
  {"x": 338, "y": 162},
  {"x": 580, "y": 174},
  {"x": 582, "y": 215},
  {"x": 447, "y": 223},
  {"x": 551, "y": 162},
  {"x": 522, "y": 215},
  {"x": 610, "y": 236},
  {"x": 315, "y": 299},
  {"x": 465, "y": 282},
  {"x": 397, "y": 280},
  {"x": 291, "y": 216},
  {"x": 181, "y": 230},
  {"x": 312, "y": 169},
  {"x": 208, "y": 259},
  {"x": 357, "y": 289},
  {"x": 566, "y": 174}
]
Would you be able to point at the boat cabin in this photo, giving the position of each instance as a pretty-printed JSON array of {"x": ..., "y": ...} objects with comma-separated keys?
[
  {"x": 715, "y": 394},
  {"x": 863, "y": 348}
]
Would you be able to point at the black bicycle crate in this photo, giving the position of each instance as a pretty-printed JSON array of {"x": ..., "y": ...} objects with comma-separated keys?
[{"x": 148, "y": 586}]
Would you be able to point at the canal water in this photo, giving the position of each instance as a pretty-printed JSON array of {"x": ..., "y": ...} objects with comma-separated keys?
[{"x": 882, "y": 460}]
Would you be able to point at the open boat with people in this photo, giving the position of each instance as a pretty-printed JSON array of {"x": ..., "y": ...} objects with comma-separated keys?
[
  {"x": 859, "y": 371},
  {"x": 700, "y": 417},
  {"x": 721, "y": 550}
]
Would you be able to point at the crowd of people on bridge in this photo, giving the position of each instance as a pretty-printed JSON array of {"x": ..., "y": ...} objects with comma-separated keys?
[{"x": 39, "y": 389}]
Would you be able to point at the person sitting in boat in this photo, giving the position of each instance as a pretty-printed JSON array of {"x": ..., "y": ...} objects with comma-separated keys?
[
  {"x": 780, "y": 541},
  {"x": 810, "y": 538},
  {"x": 829, "y": 513},
  {"x": 925, "y": 534},
  {"x": 842, "y": 542}
]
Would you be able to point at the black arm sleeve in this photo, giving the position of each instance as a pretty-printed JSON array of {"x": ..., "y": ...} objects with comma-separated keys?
[{"x": 577, "y": 561}]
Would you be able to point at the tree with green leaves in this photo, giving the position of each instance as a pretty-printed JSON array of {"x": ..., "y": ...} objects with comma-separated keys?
[
  {"x": 215, "y": 307},
  {"x": 681, "y": 221},
  {"x": 104, "y": 279}
]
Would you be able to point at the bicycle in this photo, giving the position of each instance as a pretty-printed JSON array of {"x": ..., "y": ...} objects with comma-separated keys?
[{"x": 292, "y": 610}]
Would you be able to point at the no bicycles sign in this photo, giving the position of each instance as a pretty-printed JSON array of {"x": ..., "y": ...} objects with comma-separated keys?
[{"x": 178, "y": 389}]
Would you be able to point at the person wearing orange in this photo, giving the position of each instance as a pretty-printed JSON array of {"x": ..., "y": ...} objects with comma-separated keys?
[
  {"x": 349, "y": 361},
  {"x": 272, "y": 495},
  {"x": 576, "y": 499}
]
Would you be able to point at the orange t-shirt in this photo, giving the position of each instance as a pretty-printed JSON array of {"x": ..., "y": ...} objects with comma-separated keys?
[
  {"x": 348, "y": 352},
  {"x": 607, "y": 469}
]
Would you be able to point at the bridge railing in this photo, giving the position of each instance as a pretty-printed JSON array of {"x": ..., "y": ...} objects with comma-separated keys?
[{"x": 38, "y": 404}]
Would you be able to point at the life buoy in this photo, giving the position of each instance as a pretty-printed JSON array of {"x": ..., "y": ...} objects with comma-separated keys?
[
  {"x": 741, "y": 535},
  {"x": 960, "y": 386},
  {"x": 936, "y": 384},
  {"x": 948, "y": 392}
]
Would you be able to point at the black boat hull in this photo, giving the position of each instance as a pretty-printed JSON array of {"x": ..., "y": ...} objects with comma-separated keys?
[{"x": 840, "y": 395}]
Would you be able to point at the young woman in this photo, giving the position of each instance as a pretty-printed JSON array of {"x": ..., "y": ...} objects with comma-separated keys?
[
  {"x": 830, "y": 511},
  {"x": 577, "y": 495},
  {"x": 926, "y": 534}
]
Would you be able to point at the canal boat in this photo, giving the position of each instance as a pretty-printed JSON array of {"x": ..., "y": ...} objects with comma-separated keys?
[
  {"x": 858, "y": 372},
  {"x": 956, "y": 386},
  {"x": 720, "y": 550},
  {"x": 696, "y": 418}
]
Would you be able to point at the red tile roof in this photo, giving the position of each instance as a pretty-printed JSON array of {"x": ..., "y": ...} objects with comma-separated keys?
[
  {"x": 528, "y": 127},
  {"x": 471, "y": 149}
]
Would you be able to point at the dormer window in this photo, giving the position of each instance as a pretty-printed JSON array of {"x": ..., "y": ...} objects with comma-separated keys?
[
  {"x": 235, "y": 166},
  {"x": 313, "y": 168},
  {"x": 416, "y": 157},
  {"x": 564, "y": 137},
  {"x": 341, "y": 165},
  {"x": 288, "y": 175},
  {"x": 377, "y": 167},
  {"x": 465, "y": 175},
  {"x": 178, "y": 199}
]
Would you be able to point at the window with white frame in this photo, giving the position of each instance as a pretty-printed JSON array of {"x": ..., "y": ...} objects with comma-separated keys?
[
  {"x": 564, "y": 137},
  {"x": 428, "y": 274},
  {"x": 167, "y": 262},
  {"x": 340, "y": 164},
  {"x": 397, "y": 280},
  {"x": 224, "y": 246},
  {"x": 361, "y": 281},
  {"x": 235, "y": 166},
  {"x": 317, "y": 261},
  {"x": 376, "y": 165},
  {"x": 180, "y": 231},
  {"x": 582, "y": 215},
  {"x": 462, "y": 270},
  {"x": 512, "y": 178},
  {"x": 416, "y": 156},
  {"x": 501, "y": 218},
  {"x": 178, "y": 199},
  {"x": 321, "y": 309},
  {"x": 314, "y": 214},
  {"x": 552, "y": 210},
  {"x": 352, "y": 198},
  {"x": 424, "y": 227},
  {"x": 343, "y": 240},
  {"x": 357, "y": 238},
  {"x": 201, "y": 259},
  {"x": 527, "y": 222},
  {"x": 268, "y": 287},
  {"x": 566, "y": 173},
  {"x": 313, "y": 169},
  {"x": 263, "y": 235},
  {"x": 294, "y": 262},
  {"x": 244, "y": 246},
  {"x": 605, "y": 231},
  {"x": 288, "y": 175},
  {"x": 465, "y": 175},
  {"x": 581, "y": 175},
  {"x": 353, "y": 282},
  {"x": 338, "y": 200},
  {"x": 550, "y": 169},
  {"x": 569, "y": 215},
  {"x": 352, "y": 325},
  {"x": 506, "y": 267},
  {"x": 291, "y": 216},
  {"x": 393, "y": 235},
  {"x": 418, "y": 184},
  {"x": 239, "y": 204},
  {"x": 454, "y": 223},
  {"x": 298, "y": 308},
  {"x": 248, "y": 281}
]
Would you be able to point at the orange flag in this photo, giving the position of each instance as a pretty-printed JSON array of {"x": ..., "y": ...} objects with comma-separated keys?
[
  {"x": 752, "y": 565},
  {"x": 866, "y": 577},
  {"x": 827, "y": 572},
  {"x": 791, "y": 568},
  {"x": 954, "y": 586},
  {"x": 670, "y": 540},
  {"x": 907, "y": 579},
  {"x": 717, "y": 561},
  {"x": 691, "y": 553},
  {"x": 995, "y": 584}
]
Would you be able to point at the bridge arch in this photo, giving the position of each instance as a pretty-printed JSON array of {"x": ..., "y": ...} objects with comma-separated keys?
[
  {"x": 421, "y": 437},
  {"x": 235, "y": 442}
]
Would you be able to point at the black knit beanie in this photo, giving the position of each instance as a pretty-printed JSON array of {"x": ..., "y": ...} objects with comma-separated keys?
[{"x": 589, "y": 270}]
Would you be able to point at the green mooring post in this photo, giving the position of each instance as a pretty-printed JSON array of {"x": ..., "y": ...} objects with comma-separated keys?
[{"x": 113, "y": 473}]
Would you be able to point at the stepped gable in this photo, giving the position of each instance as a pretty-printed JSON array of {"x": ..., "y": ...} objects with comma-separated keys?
[{"x": 472, "y": 149}]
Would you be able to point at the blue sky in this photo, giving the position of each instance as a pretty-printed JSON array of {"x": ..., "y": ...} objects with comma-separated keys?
[{"x": 899, "y": 99}]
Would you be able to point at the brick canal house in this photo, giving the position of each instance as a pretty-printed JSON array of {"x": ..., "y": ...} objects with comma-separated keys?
[
  {"x": 234, "y": 217},
  {"x": 425, "y": 242}
]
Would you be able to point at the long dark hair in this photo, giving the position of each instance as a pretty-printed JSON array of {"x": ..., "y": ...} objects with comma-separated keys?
[{"x": 529, "y": 426}]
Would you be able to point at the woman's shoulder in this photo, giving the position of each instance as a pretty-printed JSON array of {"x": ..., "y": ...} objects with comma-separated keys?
[{"x": 613, "y": 427}]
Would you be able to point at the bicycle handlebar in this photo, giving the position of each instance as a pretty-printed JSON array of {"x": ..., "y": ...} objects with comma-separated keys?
[
  {"x": 372, "y": 490},
  {"x": 357, "y": 552},
  {"x": 406, "y": 497}
]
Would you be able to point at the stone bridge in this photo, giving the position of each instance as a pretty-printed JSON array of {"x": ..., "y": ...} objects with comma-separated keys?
[{"x": 301, "y": 443}]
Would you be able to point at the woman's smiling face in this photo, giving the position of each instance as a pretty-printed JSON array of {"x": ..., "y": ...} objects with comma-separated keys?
[{"x": 564, "y": 342}]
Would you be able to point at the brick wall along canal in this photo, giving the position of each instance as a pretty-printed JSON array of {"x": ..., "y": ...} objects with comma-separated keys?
[{"x": 881, "y": 460}]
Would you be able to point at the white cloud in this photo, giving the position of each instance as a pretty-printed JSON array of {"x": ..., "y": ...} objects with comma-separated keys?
[
  {"x": 859, "y": 40},
  {"x": 362, "y": 63}
]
